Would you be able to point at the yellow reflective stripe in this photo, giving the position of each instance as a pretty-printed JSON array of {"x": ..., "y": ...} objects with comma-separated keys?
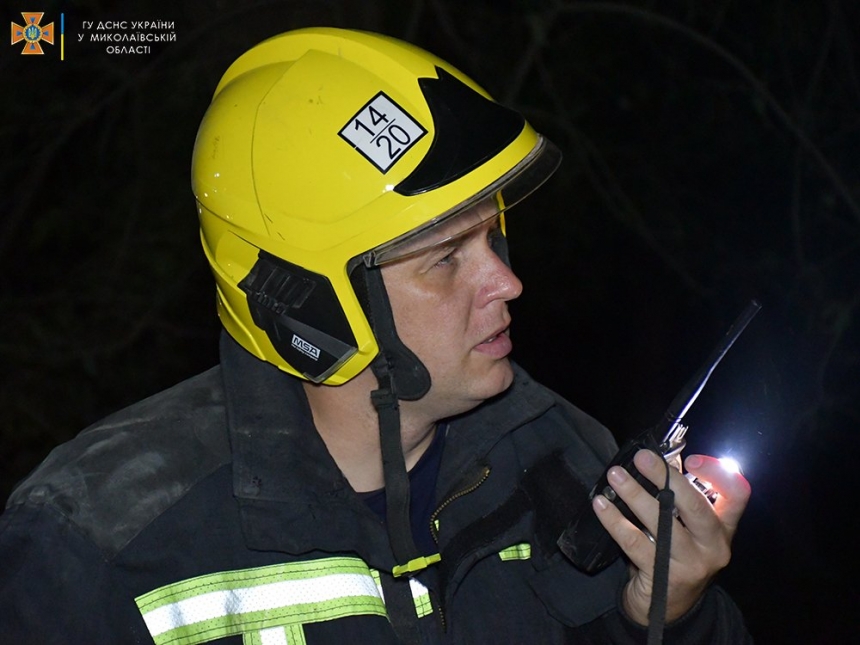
[
  {"x": 295, "y": 635},
  {"x": 258, "y": 600},
  {"x": 521, "y": 551},
  {"x": 375, "y": 575}
]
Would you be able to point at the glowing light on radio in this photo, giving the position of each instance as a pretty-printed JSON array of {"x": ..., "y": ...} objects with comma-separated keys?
[{"x": 730, "y": 465}]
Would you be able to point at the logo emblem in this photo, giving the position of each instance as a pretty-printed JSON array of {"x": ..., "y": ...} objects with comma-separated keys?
[
  {"x": 32, "y": 33},
  {"x": 305, "y": 347}
]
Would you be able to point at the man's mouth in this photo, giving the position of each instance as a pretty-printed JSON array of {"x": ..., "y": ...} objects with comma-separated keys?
[
  {"x": 498, "y": 345},
  {"x": 495, "y": 336}
]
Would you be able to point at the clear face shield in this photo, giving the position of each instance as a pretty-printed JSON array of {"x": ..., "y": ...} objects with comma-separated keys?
[{"x": 487, "y": 205}]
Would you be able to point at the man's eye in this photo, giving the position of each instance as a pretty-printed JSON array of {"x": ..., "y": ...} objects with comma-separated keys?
[{"x": 446, "y": 260}]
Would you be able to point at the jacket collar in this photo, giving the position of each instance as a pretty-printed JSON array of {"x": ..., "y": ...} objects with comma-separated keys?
[
  {"x": 472, "y": 435},
  {"x": 292, "y": 495}
]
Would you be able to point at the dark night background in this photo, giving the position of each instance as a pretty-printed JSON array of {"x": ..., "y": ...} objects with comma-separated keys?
[{"x": 711, "y": 156}]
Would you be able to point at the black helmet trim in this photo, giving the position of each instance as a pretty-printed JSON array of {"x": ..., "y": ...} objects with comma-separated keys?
[
  {"x": 300, "y": 313},
  {"x": 505, "y": 193},
  {"x": 470, "y": 129}
]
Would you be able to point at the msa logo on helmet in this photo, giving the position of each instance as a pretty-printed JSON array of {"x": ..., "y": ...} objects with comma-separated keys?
[
  {"x": 382, "y": 132},
  {"x": 305, "y": 347},
  {"x": 291, "y": 304}
]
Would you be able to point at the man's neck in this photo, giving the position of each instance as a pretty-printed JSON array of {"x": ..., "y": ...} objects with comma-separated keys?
[{"x": 349, "y": 426}]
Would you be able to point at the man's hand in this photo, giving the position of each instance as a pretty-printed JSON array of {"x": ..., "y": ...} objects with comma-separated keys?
[{"x": 701, "y": 545}]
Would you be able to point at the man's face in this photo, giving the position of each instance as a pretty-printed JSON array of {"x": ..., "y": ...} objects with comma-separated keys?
[{"x": 450, "y": 308}]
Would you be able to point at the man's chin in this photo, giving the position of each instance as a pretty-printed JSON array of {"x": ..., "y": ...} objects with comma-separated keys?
[
  {"x": 473, "y": 391},
  {"x": 499, "y": 380}
]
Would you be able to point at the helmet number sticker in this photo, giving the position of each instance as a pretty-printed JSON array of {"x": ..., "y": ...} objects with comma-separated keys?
[{"x": 382, "y": 131}]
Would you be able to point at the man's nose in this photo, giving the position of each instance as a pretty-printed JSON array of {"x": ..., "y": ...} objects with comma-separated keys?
[{"x": 499, "y": 280}]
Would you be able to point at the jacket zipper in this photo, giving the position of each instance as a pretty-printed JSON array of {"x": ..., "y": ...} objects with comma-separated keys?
[{"x": 485, "y": 473}]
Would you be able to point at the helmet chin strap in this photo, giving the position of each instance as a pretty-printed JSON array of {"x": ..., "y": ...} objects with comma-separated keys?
[{"x": 401, "y": 376}]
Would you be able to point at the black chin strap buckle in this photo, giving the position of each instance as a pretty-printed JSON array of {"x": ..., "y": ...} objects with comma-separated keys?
[{"x": 385, "y": 398}]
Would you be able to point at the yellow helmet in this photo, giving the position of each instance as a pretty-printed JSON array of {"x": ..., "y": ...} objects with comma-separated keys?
[{"x": 327, "y": 152}]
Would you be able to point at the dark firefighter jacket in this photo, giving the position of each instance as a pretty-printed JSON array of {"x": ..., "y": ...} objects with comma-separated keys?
[{"x": 212, "y": 513}]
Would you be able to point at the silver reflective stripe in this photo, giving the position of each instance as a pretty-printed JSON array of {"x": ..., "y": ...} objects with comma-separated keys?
[
  {"x": 289, "y": 635},
  {"x": 273, "y": 636},
  {"x": 257, "y": 600},
  {"x": 421, "y": 598}
]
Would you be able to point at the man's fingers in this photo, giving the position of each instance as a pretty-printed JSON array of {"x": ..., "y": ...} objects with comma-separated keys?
[
  {"x": 636, "y": 544},
  {"x": 700, "y": 540},
  {"x": 653, "y": 467},
  {"x": 733, "y": 488},
  {"x": 699, "y": 516}
]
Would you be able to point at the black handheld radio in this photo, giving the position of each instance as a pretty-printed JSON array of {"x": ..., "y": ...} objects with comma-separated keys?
[{"x": 588, "y": 545}]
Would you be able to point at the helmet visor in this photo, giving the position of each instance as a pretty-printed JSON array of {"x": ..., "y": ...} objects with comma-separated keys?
[{"x": 499, "y": 196}]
